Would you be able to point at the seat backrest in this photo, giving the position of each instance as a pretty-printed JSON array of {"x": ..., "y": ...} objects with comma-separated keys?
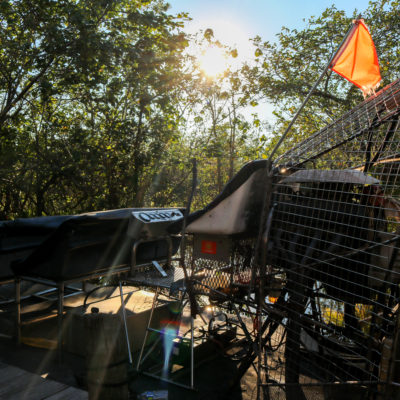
[{"x": 237, "y": 209}]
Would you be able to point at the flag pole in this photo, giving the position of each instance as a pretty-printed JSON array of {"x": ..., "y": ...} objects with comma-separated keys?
[{"x": 282, "y": 138}]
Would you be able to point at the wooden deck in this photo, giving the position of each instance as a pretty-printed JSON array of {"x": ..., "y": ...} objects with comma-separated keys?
[{"x": 15, "y": 383}]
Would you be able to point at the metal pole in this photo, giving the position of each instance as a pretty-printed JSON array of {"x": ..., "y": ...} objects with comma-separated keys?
[
  {"x": 311, "y": 92},
  {"x": 188, "y": 284},
  {"x": 191, "y": 353},
  {"x": 60, "y": 315},
  {"x": 18, "y": 304},
  {"x": 125, "y": 323},
  {"x": 153, "y": 305},
  {"x": 187, "y": 211}
]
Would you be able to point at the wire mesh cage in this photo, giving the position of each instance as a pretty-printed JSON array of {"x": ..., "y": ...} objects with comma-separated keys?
[
  {"x": 226, "y": 280},
  {"x": 327, "y": 294},
  {"x": 335, "y": 237}
]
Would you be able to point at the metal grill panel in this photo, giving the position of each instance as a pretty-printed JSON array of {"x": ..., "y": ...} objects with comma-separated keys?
[
  {"x": 326, "y": 303},
  {"x": 226, "y": 281},
  {"x": 335, "y": 236}
]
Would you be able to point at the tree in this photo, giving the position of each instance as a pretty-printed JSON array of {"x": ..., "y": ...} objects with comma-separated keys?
[
  {"x": 217, "y": 127},
  {"x": 287, "y": 69},
  {"x": 89, "y": 91}
]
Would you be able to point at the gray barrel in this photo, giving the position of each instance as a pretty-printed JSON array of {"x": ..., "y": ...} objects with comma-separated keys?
[{"x": 106, "y": 357}]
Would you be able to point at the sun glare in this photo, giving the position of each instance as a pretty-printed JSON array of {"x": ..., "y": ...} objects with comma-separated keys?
[
  {"x": 229, "y": 32},
  {"x": 213, "y": 61}
]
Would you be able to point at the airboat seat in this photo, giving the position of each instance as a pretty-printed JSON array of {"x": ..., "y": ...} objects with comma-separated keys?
[
  {"x": 97, "y": 243},
  {"x": 20, "y": 237},
  {"x": 236, "y": 210}
]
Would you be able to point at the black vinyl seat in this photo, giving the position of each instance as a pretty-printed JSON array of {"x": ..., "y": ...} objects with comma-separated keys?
[
  {"x": 87, "y": 244},
  {"x": 20, "y": 237},
  {"x": 236, "y": 210}
]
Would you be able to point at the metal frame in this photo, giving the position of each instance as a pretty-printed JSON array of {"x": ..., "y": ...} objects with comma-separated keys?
[
  {"x": 163, "y": 282},
  {"x": 331, "y": 245},
  {"x": 323, "y": 244},
  {"x": 60, "y": 286},
  {"x": 136, "y": 245}
]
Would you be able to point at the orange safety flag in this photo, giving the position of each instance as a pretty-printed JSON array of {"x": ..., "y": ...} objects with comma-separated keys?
[{"x": 357, "y": 61}]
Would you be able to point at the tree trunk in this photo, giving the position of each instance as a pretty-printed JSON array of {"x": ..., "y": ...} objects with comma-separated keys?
[{"x": 137, "y": 159}]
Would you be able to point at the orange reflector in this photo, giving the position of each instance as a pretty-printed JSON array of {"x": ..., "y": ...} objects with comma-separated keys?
[
  {"x": 208, "y": 247},
  {"x": 272, "y": 299}
]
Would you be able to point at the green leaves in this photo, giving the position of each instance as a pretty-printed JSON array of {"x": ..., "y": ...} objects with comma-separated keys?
[
  {"x": 209, "y": 34},
  {"x": 103, "y": 105},
  {"x": 287, "y": 68},
  {"x": 89, "y": 92}
]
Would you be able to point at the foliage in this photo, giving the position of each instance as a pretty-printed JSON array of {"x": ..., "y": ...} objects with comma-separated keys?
[
  {"x": 103, "y": 104},
  {"x": 88, "y": 102},
  {"x": 286, "y": 69},
  {"x": 214, "y": 130}
]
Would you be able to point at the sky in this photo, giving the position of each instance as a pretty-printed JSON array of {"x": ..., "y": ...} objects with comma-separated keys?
[
  {"x": 234, "y": 22},
  {"x": 238, "y": 20}
]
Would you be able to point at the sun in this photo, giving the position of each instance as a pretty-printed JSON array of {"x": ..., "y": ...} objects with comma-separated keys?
[
  {"x": 232, "y": 33},
  {"x": 213, "y": 61}
]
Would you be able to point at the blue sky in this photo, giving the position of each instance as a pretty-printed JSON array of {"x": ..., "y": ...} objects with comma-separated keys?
[
  {"x": 234, "y": 22},
  {"x": 239, "y": 20}
]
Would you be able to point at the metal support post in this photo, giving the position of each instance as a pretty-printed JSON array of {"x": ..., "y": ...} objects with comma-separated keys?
[
  {"x": 18, "y": 306},
  {"x": 60, "y": 315},
  {"x": 147, "y": 328},
  {"x": 125, "y": 324},
  {"x": 191, "y": 353}
]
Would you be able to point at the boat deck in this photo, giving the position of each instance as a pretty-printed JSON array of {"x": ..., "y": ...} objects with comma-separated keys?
[
  {"x": 16, "y": 383},
  {"x": 33, "y": 369}
]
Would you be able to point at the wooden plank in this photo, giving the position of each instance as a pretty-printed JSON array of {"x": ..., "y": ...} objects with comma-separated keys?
[
  {"x": 9, "y": 373},
  {"x": 68, "y": 394},
  {"x": 16, "y": 383},
  {"x": 37, "y": 389}
]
